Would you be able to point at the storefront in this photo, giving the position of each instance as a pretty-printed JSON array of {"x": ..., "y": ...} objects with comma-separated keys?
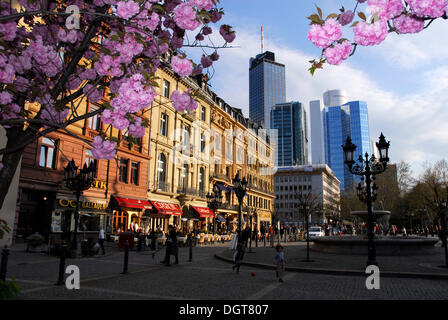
[
  {"x": 204, "y": 218},
  {"x": 128, "y": 213},
  {"x": 92, "y": 216},
  {"x": 164, "y": 214}
]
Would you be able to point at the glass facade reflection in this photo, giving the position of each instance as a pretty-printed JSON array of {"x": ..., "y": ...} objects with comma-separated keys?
[
  {"x": 266, "y": 87},
  {"x": 350, "y": 119}
]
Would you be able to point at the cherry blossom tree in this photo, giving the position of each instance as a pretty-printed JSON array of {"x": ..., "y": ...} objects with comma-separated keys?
[
  {"x": 385, "y": 17},
  {"x": 53, "y": 54}
]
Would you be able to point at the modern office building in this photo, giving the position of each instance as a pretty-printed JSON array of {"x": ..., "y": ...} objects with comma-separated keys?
[
  {"x": 267, "y": 87},
  {"x": 318, "y": 180},
  {"x": 350, "y": 119},
  {"x": 317, "y": 132},
  {"x": 289, "y": 119},
  {"x": 333, "y": 98}
]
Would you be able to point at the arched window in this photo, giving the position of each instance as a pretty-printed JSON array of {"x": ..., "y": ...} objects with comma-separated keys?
[
  {"x": 161, "y": 171},
  {"x": 201, "y": 179}
]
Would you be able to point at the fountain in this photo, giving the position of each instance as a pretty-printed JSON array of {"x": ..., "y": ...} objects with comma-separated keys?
[{"x": 384, "y": 245}]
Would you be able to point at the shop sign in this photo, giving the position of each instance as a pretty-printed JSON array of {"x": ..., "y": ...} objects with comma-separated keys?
[
  {"x": 82, "y": 204},
  {"x": 99, "y": 184}
]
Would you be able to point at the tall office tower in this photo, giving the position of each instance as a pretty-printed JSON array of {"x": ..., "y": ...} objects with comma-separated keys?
[
  {"x": 317, "y": 132},
  {"x": 266, "y": 87},
  {"x": 350, "y": 119},
  {"x": 292, "y": 145},
  {"x": 334, "y": 98}
]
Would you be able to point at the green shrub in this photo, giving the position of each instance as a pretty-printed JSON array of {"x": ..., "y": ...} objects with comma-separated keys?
[{"x": 8, "y": 289}]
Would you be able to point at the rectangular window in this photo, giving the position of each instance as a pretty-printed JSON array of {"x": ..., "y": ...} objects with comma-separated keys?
[
  {"x": 47, "y": 154},
  {"x": 123, "y": 170},
  {"x": 134, "y": 172},
  {"x": 94, "y": 121},
  {"x": 202, "y": 142},
  {"x": 89, "y": 158},
  {"x": 164, "y": 124},
  {"x": 166, "y": 89},
  {"x": 203, "y": 113}
]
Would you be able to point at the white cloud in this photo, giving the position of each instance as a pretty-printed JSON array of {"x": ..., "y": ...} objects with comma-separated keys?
[{"x": 414, "y": 122}]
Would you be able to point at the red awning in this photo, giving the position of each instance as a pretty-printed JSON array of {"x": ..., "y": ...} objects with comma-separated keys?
[
  {"x": 204, "y": 212},
  {"x": 167, "y": 208},
  {"x": 133, "y": 203}
]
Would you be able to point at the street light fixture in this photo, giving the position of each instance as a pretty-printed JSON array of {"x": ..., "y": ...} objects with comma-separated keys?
[
  {"x": 213, "y": 201},
  {"x": 240, "y": 187},
  {"x": 368, "y": 168},
  {"x": 78, "y": 182}
]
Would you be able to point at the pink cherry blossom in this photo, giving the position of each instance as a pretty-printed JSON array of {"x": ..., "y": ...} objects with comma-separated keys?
[
  {"x": 227, "y": 33},
  {"x": 408, "y": 24},
  {"x": 127, "y": 9},
  {"x": 206, "y": 61},
  {"x": 370, "y": 34},
  {"x": 182, "y": 102},
  {"x": 93, "y": 93},
  {"x": 182, "y": 67},
  {"x": 335, "y": 55},
  {"x": 103, "y": 149},
  {"x": 428, "y": 8},
  {"x": 185, "y": 16},
  {"x": 346, "y": 17},
  {"x": 136, "y": 129},
  {"x": 5, "y": 97},
  {"x": 323, "y": 36},
  {"x": 386, "y": 8},
  {"x": 202, "y": 4}
]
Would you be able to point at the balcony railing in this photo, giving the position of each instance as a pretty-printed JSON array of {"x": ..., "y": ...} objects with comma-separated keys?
[{"x": 163, "y": 186}]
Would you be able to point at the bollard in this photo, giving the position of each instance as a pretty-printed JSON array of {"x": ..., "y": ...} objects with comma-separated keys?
[
  {"x": 126, "y": 257},
  {"x": 264, "y": 240},
  {"x": 61, "y": 265},
  {"x": 256, "y": 241},
  {"x": 139, "y": 244},
  {"x": 4, "y": 263},
  {"x": 191, "y": 248}
]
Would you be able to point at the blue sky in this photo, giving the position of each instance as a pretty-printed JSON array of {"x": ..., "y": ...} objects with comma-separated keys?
[{"x": 404, "y": 80}]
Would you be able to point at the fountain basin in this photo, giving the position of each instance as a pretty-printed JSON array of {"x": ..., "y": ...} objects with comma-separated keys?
[{"x": 384, "y": 246}]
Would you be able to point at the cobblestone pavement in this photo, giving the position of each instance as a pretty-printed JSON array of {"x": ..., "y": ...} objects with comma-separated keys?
[{"x": 204, "y": 278}]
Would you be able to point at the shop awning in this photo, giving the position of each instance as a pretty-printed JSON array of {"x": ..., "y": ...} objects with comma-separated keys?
[
  {"x": 221, "y": 219},
  {"x": 204, "y": 212},
  {"x": 167, "y": 208},
  {"x": 132, "y": 203},
  {"x": 221, "y": 186}
]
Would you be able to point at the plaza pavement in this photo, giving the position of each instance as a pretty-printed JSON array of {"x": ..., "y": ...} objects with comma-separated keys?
[{"x": 209, "y": 278}]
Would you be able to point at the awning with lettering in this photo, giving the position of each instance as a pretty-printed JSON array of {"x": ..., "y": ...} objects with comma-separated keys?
[
  {"x": 132, "y": 203},
  {"x": 221, "y": 218},
  {"x": 204, "y": 212},
  {"x": 167, "y": 208}
]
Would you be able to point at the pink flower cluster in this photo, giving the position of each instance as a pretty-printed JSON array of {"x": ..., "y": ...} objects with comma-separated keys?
[
  {"x": 346, "y": 17},
  {"x": 386, "y": 9},
  {"x": 8, "y": 30},
  {"x": 408, "y": 24},
  {"x": 45, "y": 57},
  {"x": 185, "y": 16},
  {"x": 132, "y": 97},
  {"x": 183, "y": 101},
  {"x": 428, "y": 8},
  {"x": 182, "y": 67},
  {"x": 103, "y": 149},
  {"x": 202, "y": 4},
  {"x": 227, "y": 33},
  {"x": 136, "y": 129},
  {"x": 70, "y": 36},
  {"x": 94, "y": 94},
  {"x": 127, "y": 9},
  {"x": 370, "y": 34},
  {"x": 336, "y": 54},
  {"x": 323, "y": 36}
]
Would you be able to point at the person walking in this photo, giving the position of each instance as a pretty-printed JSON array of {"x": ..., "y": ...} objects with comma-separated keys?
[
  {"x": 238, "y": 256},
  {"x": 101, "y": 239},
  {"x": 280, "y": 261},
  {"x": 171, "y": 246}
]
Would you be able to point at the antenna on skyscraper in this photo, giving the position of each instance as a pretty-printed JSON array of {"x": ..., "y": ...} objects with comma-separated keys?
[{"x": 262, "y": 41}]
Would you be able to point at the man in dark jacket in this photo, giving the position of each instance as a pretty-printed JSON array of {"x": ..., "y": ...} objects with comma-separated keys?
[{"x": 171, "y": 246}]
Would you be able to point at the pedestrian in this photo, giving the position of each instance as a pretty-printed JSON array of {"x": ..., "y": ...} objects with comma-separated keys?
[
  {"x": 404, "y": 232},
  {"x": 171, "y": 246},
  {"x": 238, "y": 256},
  {"x": 101, "y": 239},
  {"x": 280, "y": 261}
]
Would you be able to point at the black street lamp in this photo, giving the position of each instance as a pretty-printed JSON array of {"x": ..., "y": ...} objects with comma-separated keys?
[
  {"x": 306, "y": 211},
  {"x": 213, "y": 201},
  {"x": 252, "y": 212},
  {"x": 78, "y": 182},
  {"x": 240, "y": 187},
  {"x": 368, "y": 168}
]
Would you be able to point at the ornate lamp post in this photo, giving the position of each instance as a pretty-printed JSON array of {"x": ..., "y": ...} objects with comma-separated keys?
[
  {"x": 368, "y": 168},
  {"x": 306, "y": 211},
  {"x": 240, "y": 187},
  {"x": 213, "y": 201},
  {"x": 252, "y": 212},
  {"x": 78, "y": 182}
]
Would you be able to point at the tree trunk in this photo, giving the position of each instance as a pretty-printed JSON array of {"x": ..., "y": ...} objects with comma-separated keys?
[{"x": 10, "y": 160}]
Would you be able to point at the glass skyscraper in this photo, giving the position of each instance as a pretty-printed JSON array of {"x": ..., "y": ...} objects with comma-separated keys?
[
  {"x": 350, "y": 119},
  {"x": 267, "y": 87},
  {"x": 289, "y": 119}
]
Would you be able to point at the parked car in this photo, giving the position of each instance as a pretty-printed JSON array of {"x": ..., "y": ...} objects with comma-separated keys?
[{"x": 316, "y": 232}]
